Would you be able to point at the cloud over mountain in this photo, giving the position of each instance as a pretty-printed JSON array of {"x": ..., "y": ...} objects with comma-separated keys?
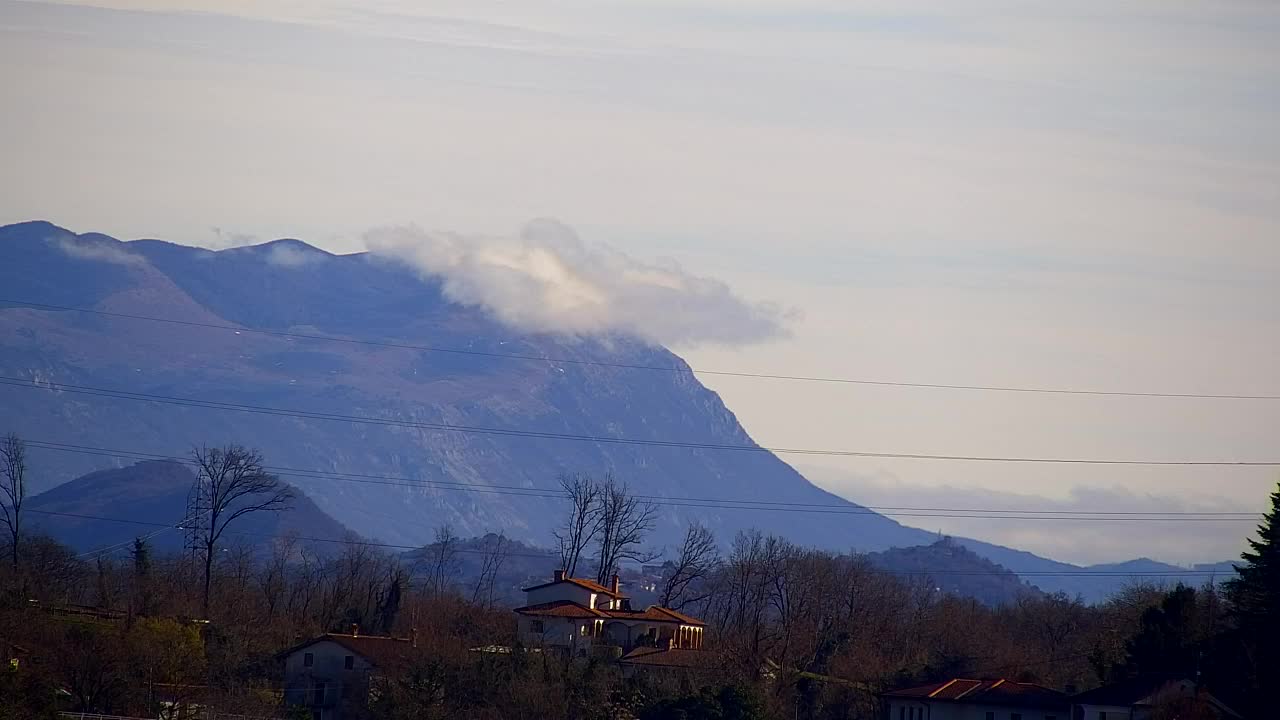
[
  {"x": 548, "y": 280},
  {"x": 82, "y": 248}
]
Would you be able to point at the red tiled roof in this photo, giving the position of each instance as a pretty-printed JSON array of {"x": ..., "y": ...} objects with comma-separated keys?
[
  {"x": 653, "y": 613},
  {"x": 1000, "y": 692},
  {"x": 560, "y": 608},
  {"x": 571, "y": 609},
  {"x": 668, "y": 657},
  {"x": 379, "y": 650},
  {"x": 584, "y": 583}
]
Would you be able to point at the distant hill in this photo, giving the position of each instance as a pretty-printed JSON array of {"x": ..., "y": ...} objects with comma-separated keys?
[
  {"x": 955, "y": 569},
  {"x": 156, "y": 492}
]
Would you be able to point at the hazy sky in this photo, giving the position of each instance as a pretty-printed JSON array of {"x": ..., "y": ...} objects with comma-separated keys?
[{"x": 1080, "y": 195}]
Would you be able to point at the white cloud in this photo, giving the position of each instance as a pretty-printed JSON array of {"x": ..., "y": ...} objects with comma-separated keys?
[
  {"x": 96, "y": 250},
  {"x": 292, "y": 256},
  {"x": 549, "y": 280}
]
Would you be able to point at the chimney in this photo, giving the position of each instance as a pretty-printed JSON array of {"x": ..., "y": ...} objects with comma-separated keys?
[
  {"x": 413, "y": 637},
  {"x": 559, "y": 575},
  {"x": 615, "y": 584},
  {"x": 355, "y": 630}
]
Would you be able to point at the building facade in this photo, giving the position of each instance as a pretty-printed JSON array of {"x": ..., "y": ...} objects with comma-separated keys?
[
  {"x": 330, "y": 675},
  {"x": 575, "y": 615}
]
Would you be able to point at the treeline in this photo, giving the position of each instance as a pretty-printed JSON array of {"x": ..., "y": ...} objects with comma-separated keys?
[{"x": 793, "y": 632}]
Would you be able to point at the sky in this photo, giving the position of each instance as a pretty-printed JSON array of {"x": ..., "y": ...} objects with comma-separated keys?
[{"x": 1070, "y": 195}]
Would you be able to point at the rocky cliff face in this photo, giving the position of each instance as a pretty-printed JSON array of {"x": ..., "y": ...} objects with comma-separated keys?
[{"x": 395, "y": 481}]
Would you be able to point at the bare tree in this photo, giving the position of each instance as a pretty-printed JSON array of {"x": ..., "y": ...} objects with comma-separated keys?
[
  {"x": 495, "y": 553},
  {"x": 583, "y": 523},
  {"x": 444, "y": 559},
  {"x": 13, "y": 483},
  {"x": 231, "y": 483},
  {"x": 624, "y": 522},
  {"x": 698, "y": 558}
]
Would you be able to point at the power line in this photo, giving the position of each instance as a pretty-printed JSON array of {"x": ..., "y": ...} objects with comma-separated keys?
[
  {"x": 635, "y": 366},
  {"x": 480, "y": 430},
  {"x": 549, "y": 555},
  {"x": 725, "y": 504}
]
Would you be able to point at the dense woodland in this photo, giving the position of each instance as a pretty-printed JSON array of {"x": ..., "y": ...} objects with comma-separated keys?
[{"x": 793, "y": 632}]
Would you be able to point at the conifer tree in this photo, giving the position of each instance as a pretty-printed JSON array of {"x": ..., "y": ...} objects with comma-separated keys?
[{"x": 1255, "y": 598}]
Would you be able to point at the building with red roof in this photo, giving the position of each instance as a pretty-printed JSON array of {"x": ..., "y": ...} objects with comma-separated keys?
[
  {"x": 964, "y": 699},
  {"x": 573, "y": 614}
]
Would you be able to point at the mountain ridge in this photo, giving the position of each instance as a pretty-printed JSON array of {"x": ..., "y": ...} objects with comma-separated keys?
[{"x": 365, "y": 297}]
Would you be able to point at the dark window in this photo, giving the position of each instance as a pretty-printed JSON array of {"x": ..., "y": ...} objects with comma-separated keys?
[
  {"x": 308, "y": 660},
  {"x": 991, "y": 715},
  {"x": 1050, "y": 717},
  {"x": 902, "y": 713},
  {"x": 1015, "y": 716},
  {"x": 318, "y": 699},
  {"x": 1102, "y": 715},
  {"x": 349, "y": 662},
  {"x": 346, "y": 691},
  {"x": 535, "y": 626}
]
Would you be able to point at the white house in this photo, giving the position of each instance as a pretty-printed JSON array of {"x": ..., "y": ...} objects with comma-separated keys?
[
  {"x": 330, "y": 675},
  {"x": 961, "y": 699},
  {"x": 1138, "y": 699},
  {"x": 573, "y": 614}
]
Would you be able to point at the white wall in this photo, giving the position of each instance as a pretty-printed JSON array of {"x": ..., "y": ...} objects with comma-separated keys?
[
  {"x": 556, "y": 631},
  {"x": 328, "y": 666},
  {"x": 937, "y": 710}
]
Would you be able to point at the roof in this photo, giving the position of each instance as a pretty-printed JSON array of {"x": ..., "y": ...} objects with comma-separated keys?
[
  {"x": 571, "y": 609},
  {"x": 1125, "y": 692},
  {"x": 1000, "y": 692},
  {"x": 379, "y": 650},
  {"x": 560, "y": 608},
  {"x": 668, "y": 657},
  {"x": 653, "y": 613},
  {"x": 1140, "y": 691},
  {"x": 583, "y": 583}
]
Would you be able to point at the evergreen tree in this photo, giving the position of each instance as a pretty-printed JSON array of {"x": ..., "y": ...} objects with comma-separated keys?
[
  {"x": 1254, "y": 595},
  {"x": 141, "y": 558}
]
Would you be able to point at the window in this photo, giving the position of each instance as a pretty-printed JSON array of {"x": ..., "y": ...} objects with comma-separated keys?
[
  {"x": 308, "y": 660},
  {"x": 318, "y": 697},
  {"x": 1015, "y": 716},
  {"x": 349, "y": 662},
  {"x": 1102, "y": 715},
  {"x": 535, "y": 626},
  {"x": 902, "y": 713},
  {"x": 991, "y": 715}
]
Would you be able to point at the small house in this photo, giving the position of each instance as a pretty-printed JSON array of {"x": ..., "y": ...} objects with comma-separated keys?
[
  {"x": 963, "y": 699},
  {"x": 330, "y": 675},
  {"x": 574, "y": 614}
]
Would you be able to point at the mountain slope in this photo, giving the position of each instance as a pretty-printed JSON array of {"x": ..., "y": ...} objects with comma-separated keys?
[
  {"x": 360, "y": 296},
  {"x": 404, "y": 471},
  {"x": 156, "y": 492}
]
